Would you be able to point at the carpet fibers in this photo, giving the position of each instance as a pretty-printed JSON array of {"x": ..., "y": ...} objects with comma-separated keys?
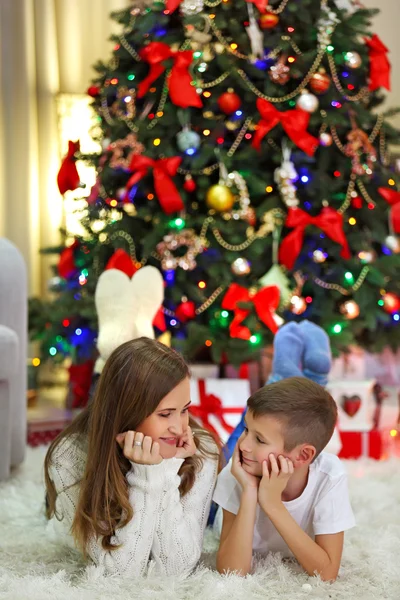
[{"x": 34, "y": 566}]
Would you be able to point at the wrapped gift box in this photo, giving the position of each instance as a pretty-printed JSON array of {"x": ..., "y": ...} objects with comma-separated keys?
[
  {"x": 218, "y": 404},
  {"x": 367, "y": 444},
  {"x": 356, "y": 404}
]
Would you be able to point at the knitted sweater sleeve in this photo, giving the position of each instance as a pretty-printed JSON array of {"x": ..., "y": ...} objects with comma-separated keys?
[{"x": 153, "y": 492}]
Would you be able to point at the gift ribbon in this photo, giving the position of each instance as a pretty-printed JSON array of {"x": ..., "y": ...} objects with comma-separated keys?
[
  {"x": 329, "y": 221},
  {"x": 66, "y": 264},
  {"x": 163, "y": 171},
  {"x": 209, "y": 405},
  {"x": 379, "y": 65},
  {"x": 294, "y": 123},
  {"x": 393, "y": 198},
  {"x": 181, "y": 90},
  {"x": 265, "y": 302},
  {"x": 68, "y": 177}
]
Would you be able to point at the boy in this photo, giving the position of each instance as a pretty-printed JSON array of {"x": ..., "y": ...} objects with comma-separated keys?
[{"x": 280, "y": 492}]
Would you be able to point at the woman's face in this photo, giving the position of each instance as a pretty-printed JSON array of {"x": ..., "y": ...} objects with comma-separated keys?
[{"x": 169, "y": 422}]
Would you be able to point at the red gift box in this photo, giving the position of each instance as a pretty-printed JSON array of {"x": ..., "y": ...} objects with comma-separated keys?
[{"x": 369, "y": 444}]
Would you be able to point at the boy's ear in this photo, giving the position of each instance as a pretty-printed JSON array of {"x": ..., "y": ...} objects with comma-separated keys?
[{"x": 305, "y": 454}]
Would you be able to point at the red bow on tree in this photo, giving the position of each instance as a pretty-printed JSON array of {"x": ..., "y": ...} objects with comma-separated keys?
[
  {"x": 121, "y": 261},
  {"x": 181, "y": 90},
  {"x": 68, "y": 177},
  {"x": 329, "y": 221},
  {"x": 393, "y": 198},
  {"x": 210, "y": 404},
  {"x": 261, "y": 5},
  {"x": 66, "y": 264},
  {"x": 294, "y": 122},
  {"x": 379, "y": 65},
  {"x": 163, "y": 170},
  {"x": 265, "y": 302}
]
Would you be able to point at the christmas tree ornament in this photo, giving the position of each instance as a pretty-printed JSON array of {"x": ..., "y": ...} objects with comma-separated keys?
[
  {"x": 279, "y": 73},
  {"x": 268, "y": 20},
  {"x": 320, "y": 82},
  {"x": 256, "y": 36},
  {"x": 298, "y": 305},
  {"x": 357, "y": 202},
  {"x": 93, "y": 91},
  {"x": 350, "y": 309},
  {"x": 68, "y": 177},
  {"x": 276, "y": 277},
  {"x": 191, "y": 7},
  {"x": 349, "y": 6},
  {"x": 220, "y": 198},
  {"x": 186, "y": 311},
  {"x": 124, "y": 106},
  {"x": 122, "y": 151},
  {"x": 190, "y": 184},
  {"x": 319, "y": 256},
  {"x": 307, "y": 102},
  {"x": 229, "y": 102},
  {"x": 379, "y": 65},
  {"x": 56, "y": 284},
  {"x": 175, "y": 241},
  {"x": 353, "y": 60},
  {"x": 392, "y": 197},
  {"x": 188, "y": 141},
  {"x": 325, "y": 139},
  {"x": 284, "y": 177},
  {"x": 391, "y": 303},
  {"x": 367, "y": 256},
  {"x": 362, "y": 153},
  {"x": 393, "y": 243},
  {"x": 241, "y": 266}
]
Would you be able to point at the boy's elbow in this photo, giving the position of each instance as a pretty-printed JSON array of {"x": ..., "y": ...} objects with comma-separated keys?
[{"x": 329, "y": 574}]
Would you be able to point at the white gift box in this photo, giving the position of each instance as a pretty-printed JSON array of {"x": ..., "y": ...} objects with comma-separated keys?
[
  {"x": 356, "y": 403},
  {"x": 218, "y": 404}
]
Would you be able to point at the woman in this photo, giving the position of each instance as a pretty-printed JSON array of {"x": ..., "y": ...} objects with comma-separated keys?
[{"x": 132, "y": 478}]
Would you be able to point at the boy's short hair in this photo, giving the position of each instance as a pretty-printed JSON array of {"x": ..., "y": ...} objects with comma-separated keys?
[{"x": 307, "y": 411}]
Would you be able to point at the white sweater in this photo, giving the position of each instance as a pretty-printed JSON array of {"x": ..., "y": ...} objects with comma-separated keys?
[{"x": 165, "y": 528}]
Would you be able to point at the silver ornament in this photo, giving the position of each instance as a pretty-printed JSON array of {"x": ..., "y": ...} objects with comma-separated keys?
[
  {"x": 319, "y": 256},
  {"x": 241, "y": 266},
  {"x": 192, "y": 7},
  {"x": 352, "y": 60},
  {"x": 325, "y": 139},
  {"x": 188, "y": 141},
  {"x": 307, "y": 102}
]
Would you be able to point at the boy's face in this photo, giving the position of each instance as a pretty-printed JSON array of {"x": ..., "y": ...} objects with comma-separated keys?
[{"x": 263, "y": 435}]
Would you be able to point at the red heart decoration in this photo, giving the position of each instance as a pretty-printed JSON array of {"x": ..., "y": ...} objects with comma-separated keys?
[{"x": 351, "y": 405}]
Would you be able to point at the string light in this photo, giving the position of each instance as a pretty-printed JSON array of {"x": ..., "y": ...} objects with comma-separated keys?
[
  {"x": 202, "y": 285},
  {"x": 349, "y": 277},
  {"x": 391, "y": 182},
  {"x": 78, "y": 331},
  {"x": 352, "y": 221},
  {"x": 393, "y": 432},
  {"x": 269, "y": 189},
  {"x": 207, "y": 94},
  {"x": 157, "y": 142},
  {"x": 114, "y": 203},
  {"x": 337, "y": 328},
  {"x": 225, "y": 314},
  {"x": 66, "y": 322},
  {"x": 291, "y": 59},
  {"x": 150, "y": 196},
  {"x": 53, "y": 351},
  {"x": 36, "y": 362},
  {"x": 208, "y": 343},
  {"x": 131, "y": 77},
  {"x": 337, "y": 173},
  {"x": 255, "y": 339},
  {"x": 206, "y": 132}
]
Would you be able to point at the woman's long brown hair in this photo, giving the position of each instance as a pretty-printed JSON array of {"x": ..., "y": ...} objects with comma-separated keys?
[{"x": 135, "y": 378}]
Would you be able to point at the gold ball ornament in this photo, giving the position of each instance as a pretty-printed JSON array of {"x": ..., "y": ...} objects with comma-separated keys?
[
  {"x": 241, "y": 266},
  {"x": 268, "y": 21},
  {"x": 319, "y": 256},
  {"x": 353, "y": 60},
  {"x": 350, "y": 309},
  {"x": 220, "y": 198},
  {"x": 320, "y": 82},
  {"x": 325, "y": 139},
  {"x": 298, "y": 305}
]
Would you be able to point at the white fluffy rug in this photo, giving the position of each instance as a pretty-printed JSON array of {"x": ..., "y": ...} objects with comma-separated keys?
[{"x": 33, "y": 566}]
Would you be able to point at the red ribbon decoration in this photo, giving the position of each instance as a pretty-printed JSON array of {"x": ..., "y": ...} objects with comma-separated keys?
[
  {"x": 379, "y": 65},
  {"x": 66, "y": 264},
  {"x": 294, "y": 123},
  {"x": 123, "y": 262},
  {"x": 68, "y": 177},
  {"x": 163, "y": 170},
  {"x": 266, "y": 301},
  {"x": 212, "y": 405},
  {"x": 329, "y": 221},
  {"x": 393, "y": 198},
  {"x": 261, "y": 5},
  {"x": 80, "y": 379},
  {"x": 181, "y": 90}
]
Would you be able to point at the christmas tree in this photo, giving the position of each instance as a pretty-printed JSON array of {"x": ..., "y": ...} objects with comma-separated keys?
[{"x": 245, "y": 156}]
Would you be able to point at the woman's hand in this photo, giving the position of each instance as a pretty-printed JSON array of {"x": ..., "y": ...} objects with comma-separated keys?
[
  {"x": 139, "y": 449},
  {"x": 186, "y": 446}
]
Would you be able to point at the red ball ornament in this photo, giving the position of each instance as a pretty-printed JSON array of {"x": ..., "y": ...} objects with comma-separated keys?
[
  {"x": 320, "y": 82},
  {"x": 229, "y": 102},
  {"x": 391, "y": 303},
  {"x": 268, "y": 21},
  {"x": 357, "y": 202},
  {"x": 93, "y": 91},
  {"x": 186, "y": 311},
  {"x": 190, "y": 184}
]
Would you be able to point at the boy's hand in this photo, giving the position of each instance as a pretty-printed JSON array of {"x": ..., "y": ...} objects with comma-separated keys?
[
  {"x": 246, "y": 480},
  {"x": 274, "y": 482},
  {"x": 186, "y": 446}
]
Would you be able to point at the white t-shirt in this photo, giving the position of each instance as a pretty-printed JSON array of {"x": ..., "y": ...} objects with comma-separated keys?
[{"x": 323, "y": 507}]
